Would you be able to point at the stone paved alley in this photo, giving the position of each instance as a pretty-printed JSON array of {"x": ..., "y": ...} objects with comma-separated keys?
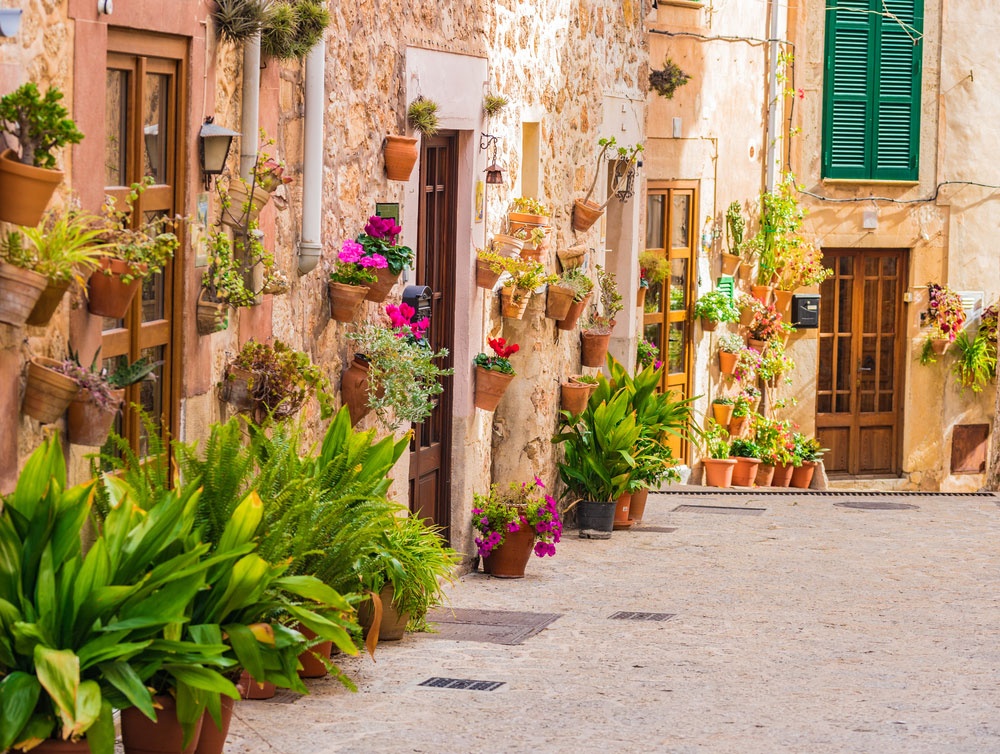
[{"x": 807, "y": 628}]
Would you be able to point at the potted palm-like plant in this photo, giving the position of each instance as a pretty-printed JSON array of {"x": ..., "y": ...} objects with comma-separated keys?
[
  {"x": 595, "y": 333},
  {"x": 494, "y": 373},
  {"x": 587, "y": 212},
  {"x": 353, "y": 274},
  {"x": 40, "y": 124},
  {"x": 511, "y": 524},
  {"x": 715, "y": 307}
]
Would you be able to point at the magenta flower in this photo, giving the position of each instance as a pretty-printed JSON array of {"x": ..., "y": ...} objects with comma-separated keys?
[
  {"x": 383, "y": 228},
  {"x": 350, "y": 252},
  {"x": 375, "y": 261}
]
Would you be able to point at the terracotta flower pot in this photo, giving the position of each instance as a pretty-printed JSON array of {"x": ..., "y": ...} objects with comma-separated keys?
[
  {"x": 25, "y": 191},
  {"x": 393, "y": 625},
  {"x": 765, "y": 474},
  {"x": 522, "y": 219},
  {"x": 574, "y": 396},
  {"x": 533, "y": 253},
  {"x": 108, "y": 296},
  {"x": 727, "y": 362},
  {"x": 758, "y": 345},
  {"x": 558, "y": 300},
  {"x": 719, "y": 471},
  {"x": 746, "y": 316},
  {"x": 243, "y": 210},
  {"x": 250, "y": 688},
  {"x": 730, "y": 263},
  {"x": 637, "y": 507},
  {"x": 576, "y": 309},
  {"x": 140, "y": 735},
  {"x": 354, "y": 389},
  {"x": 213, "y": 738},
  {"x": 508, "y": 561},
  {"x": 622, "y": 506},
  {"x": 57, "y": 746},
  {"x": 782, "y": 302},
  {"x": 940, "y": 345},
  {"x": 47, "y": 393},
  {"x": 379, "y": 290},
  {"x": 346, "y": 300},
  {"x": 236, "y": 388},
  {"x": 400, "y": 154},
  {"x": 312, "y": 664},
  {"x": 507, "y": 246},
  {"x": 485, "y": 276},
  {"x": 802, "y": 476},
  {"x": 490, "y": 387},
  {"x": 737, "y": 425},
  {"x": 48, "y": 303},
  {"x": 19, "y": 292},
  {"x": 745, "y": 472},
  {"x": 722, "y": 413},
  {"x": 88, "y": 423},
  {"x": 761, "y": 292},
  {"x": 596, "y": 518},
  {"x": 212, "y": 316},
  {"x": 585, "y": 214},
  {"x": 709, "y": 325},
  {"x": 594, "y": 348},
  {"x": 514, "y": 302},
  {"x": 782, "y": 475}
]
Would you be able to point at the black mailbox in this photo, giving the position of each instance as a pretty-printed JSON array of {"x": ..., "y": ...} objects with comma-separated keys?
[
  {"x": 419, "y": 297},
  {"x": 805, "y": 310}
]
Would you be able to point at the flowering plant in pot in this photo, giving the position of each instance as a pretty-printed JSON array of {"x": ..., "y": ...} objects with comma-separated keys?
[
  {"x": 350, "y": 280},
  {"x": 715, "y": 307},
  {"x": 975, "y": 364},
  {"x": 494, "y": 373},
  {"x": 765, "y": 325},
  {"x": 945, "y": 316},
  {"x": 647, "y": 354},
  {"x": 379, "y": 243},
  {"x": 274, "y": 380},
  {"x": 774, "y": 363},
  {"x": 730, "y": 346},
  {"x": 511, "y": 524},
  {"x": 748, "y": 362},
  {"x": 800, "y": 264}
]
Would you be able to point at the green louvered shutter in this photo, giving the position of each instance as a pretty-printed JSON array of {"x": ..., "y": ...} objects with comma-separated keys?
[{"x": 871, "y": 119}]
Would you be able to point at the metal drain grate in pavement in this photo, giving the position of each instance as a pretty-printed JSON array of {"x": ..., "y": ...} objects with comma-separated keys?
[
  {"x": 871, "y": 505},
  {"x": 284, "y": 696},
  {"x": 626, "y": 615},
  {"x": 461, "y": 683},
  {"x": 719, "y": 509},
  {"x": 494, "y": 626},
  {"x": 655, "y": 529}
]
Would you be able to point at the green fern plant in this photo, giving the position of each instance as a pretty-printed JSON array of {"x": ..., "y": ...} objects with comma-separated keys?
[{"x": 975, "y": 364}]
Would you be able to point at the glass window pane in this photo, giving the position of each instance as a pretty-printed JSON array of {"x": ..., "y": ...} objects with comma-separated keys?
[
  {"x": 115, "y": 143},
  {"x": 888, "y": 307},
  {"x": 676, "y": 353},
  {"x": 151, "y": 398},
  {"x": 845, "y": 303},
  {"x": 681, "y": 222},
  {"x": 654, "y": 334},
  {"x": 154, "y": 127},
  {"x": 847, "y": 265},
  {"x": 654, "y": 221},
  {"x": 654, "y": 298},
  {"x": 678, "y": 284}
]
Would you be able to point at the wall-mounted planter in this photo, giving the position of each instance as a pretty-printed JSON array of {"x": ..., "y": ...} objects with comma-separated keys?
[
  {"x": 242, "y": 210},
  {"x": 573, "y": 315},
  {"x": 109, "y": 296},
  {"x": 88, "y": 423},
  {"x": 514, "y": 302},
  {"x": 346, "y": 300},
  {"x": 490, "y": 387},
  {"x": 558, "y": 301},
  {"x": 19, "y": 290},
  {"x": 48, "y": 392},
  {"x": 47, "y": 303},
  {"x": 379, "y": 290},
  {"x": 400, "y": 156},
  {"x": 585, "y": 214},
  {"x": 485, "y": 275},
  {"x": 25, "y": 190},
  {"x": 594, "y": 348},
  {"x": 213, "y": 316}
]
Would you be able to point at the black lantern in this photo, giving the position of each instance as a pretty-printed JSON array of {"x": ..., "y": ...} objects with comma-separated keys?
[
  {"x": 213, "y": 147},
  {"x": 494, "y": 173}
]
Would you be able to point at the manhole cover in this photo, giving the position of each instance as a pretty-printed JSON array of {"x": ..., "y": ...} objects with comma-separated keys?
[
  {"x": 719, "y": 509},
  {"x": 461, "y": 683},
  {"x": 655, "y": 529},
  {"x": 626, "y": 615},
  {"x": 494, "y": 626},
  {"x": 872, "y": 505}
]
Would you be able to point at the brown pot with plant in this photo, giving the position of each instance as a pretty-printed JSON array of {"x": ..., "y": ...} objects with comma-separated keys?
[
  {"x": 494, "y": 373},
  {"x": 596, "y": 330},
  {"x": 622, "y": 164},
  {"x": 92, "y": 412}
]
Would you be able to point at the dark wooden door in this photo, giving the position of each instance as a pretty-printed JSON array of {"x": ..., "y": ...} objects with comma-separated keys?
[
  {"x": 430, "y": 449},
  {"x": 861, "y": 350}
]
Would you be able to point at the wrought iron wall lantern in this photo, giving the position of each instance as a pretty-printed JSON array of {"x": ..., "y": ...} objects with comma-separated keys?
[
  {"x": 494, "y": 173},
  {"x": 214, "y": 143},
  {"x": 625, "y": 171}
]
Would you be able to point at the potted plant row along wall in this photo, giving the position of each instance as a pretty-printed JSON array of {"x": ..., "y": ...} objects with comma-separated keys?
[
  {"x": 511, "y": 524},
  {"x": 523, "y": 276}
]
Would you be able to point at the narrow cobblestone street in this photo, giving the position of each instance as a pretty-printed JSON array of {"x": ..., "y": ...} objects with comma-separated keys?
[{"x": 808, "y": 627}]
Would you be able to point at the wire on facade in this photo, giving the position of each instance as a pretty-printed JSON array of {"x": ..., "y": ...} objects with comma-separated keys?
[{"x": 924, "y": 200}]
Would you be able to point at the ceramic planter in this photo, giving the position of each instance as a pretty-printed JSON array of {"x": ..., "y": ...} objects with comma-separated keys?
[
  {"x": 393, "y": 625},
  {"x": 108, "y": 296},
  {"x": 736, "y": 426},
  {"x": 730, "y": 263},
  {"x": 354, "y": 389},
  {"x": 761, "y": 292},
  {"x": 87, "y": 423},
  {"x": 508, "y": 561},
  {"x": 213, "y": 316},
  {"x": 572, "y": 257},
  {"x": 526, "y": 220},
  {"x": 727, "y": 362},
  {"x": 782, "y": 475},
  {"x": 346, "y": 300},
  {"x": 765, "y": 474},
  {"x": 379, "y": 290},
  {"x": 585, "y": 214},
  {"x": 594, "y": 348},
  {"x": 722, "y": 413},
  {"x": 640, "y": 297},
  {"x": 622, "y": 506},
  {"x": 140, "y": 735},
  {"x": 507, "y": 246},
  {"x": 558, "y": 300},
  {"x": 758, "y": 345},
  {"x": 595, "y": 518},
  {"x": 719, "y": 471},
  {"x": 19, "y": 291},
  {"x": 213, "y": 738},
  {"x": 708, "y": 325},
  {"x": 400, "y": 154},
  {"x": 243, "y": 210},
  {"x": 637, "y": 507},
  {"x": 745, "y": 472},
  {"x": 48, "y": 392},
  {"x": 250, "y": 688},
  {"x": 25, "y": 191},
  {"x": 746, "y": 316},
  {"x": 576, "y": 309},
  {"x": 782, "y": 302},
  {"x": 940, "y": 345},
  {"x": 514, "y": 302},
  {"x": 574, "y": 396},
  {"x": 48, "y": 303},
  {"x": 485, "y": 276},
  {"x": 490, "y": 387},
  {"x": 312, "y": 659},
  {"x": 802, "y": 476}
]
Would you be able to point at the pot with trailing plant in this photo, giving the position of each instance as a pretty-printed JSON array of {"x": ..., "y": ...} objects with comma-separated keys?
[
  {"x": 47, "y": 390},
  {"x": 575, "y": 392},
  {"x": 747, "y": 455},
  {"x": 133, "y": 253},
  {"x": 352, "y": 275},
  {"x": 715, "y": 307},
  {"x": 379, "y": 242},
  {"x": 404, "y": 374},
  {"x": 582, "y": 286},
  {"x": 511, "y": 524},
  {"x": 654, "y": 269},
  {"x": 647, "y": 354},
  {"x": 595, "y": 333},
  {"x": 494, "y": 373},
  {"x": 730, "y": 346},
  {"x": 717, "y": 463},
  {"x": 622, "y": 165},
  {"x": 945, "y": 316},
  {"x": 92, "y": 411},
  {"x": 242, "y": 200},
  {"x": 28, "y": 177},
  {"x": 975, "y": 363},
  {"x": 486, "y": 276},
  {"x": 223, "y": 284}
]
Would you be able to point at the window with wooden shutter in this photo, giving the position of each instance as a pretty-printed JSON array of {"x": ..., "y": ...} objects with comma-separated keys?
[{"x": 871, "y": 113}]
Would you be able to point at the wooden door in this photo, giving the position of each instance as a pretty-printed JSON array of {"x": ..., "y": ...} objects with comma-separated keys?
[
  {"x": 861, "y": 351},
  {"x": 143, "y": 117},
  {"x": 430, "y": 448},
  {"x": 666, "y": 319}
]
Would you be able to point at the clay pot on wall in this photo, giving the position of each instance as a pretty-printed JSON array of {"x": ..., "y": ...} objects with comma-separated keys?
[
  {"x": 346, "y": 300},
  {"x": 235, "y": 388},
  {"x": 354, "y": 388},
  {"x": 212, "y": 316},
  {"x": 48, "y": 392},
  {"x": 558, "y": 301},
  {"x": 379, "y": 290},
  {"x": 640, "y": 297},
  {"x": 242, "y": 210},
  {"x": 727, "y": 362},
  {"x": 730, "y": 263},
  {"x": 507, "y": 246},
  {"x": 514, "y": 302},
  {"x": 572, "y": 257},
  {"x": 722, "y": 413},
  {"x": 761, "y": 292},
  {"x": 19, "y": 292},
  {"x": 108, "y": 296},
  {"x": 783, "y": 302},
  {"x": 574, "y": 396},
  {"x": 87, "y": 423},
  {"x": 485, "y": 276},
  {"x": 576, "y": 309},
  {"x": 585, "y": 214},
  {"x": 48, "y": 303},
  {"x": 25, "y": 191},
  {"x": 400, "y": 154},
  {"x": 594, "y": 348},
  {"x": 490, "y": 387}
]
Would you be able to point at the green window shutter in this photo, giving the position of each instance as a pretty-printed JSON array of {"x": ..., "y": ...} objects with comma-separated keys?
[
  {"x": 725, "y": 284},
  {"x": 871, "y": 119}
]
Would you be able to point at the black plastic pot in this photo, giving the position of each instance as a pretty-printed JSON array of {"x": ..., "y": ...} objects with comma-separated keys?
[{"x": 596, "y": 519}]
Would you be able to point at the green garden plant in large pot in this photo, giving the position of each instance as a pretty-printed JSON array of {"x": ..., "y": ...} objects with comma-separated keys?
[{"x": 29, "y": 178}]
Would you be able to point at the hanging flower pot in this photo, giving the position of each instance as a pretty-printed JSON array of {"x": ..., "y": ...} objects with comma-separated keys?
[
  {"x": 576, "y": 309},
  {"x": 730, "y": 263},
  {"x": 490, "y": 387},
  {"x": 346, "y": 300},
  {"x": 940, "y": 345},
  {"x": 25, "y": 191},
  {"x": 140, "y": 735},
  {"x": 757, "y": 345},
  {"x": 354, "y": 388},
  {"x": 640, "y": 297},
  {"x": 558, "y": 300},
  {"x": 782, "y": 302},
  {"x": 87, "y": 422},
  {"x": 727, "y": 362},
  {"x": 47, "y": 303},
  {"x": 761, "y": 292},
  {"x": 19, "y": 291},
  {"x": 515, "y": 302},
  {"x": 585, "y": 214},
  {"x": 594, "y": 348},
  {"x": 507, "y": 246},
  {"x": 722, "y": 412},
  {"x": 236, "y": 388},
  {"x": 745, "y": 471},
  {"x": 736, "y": 426},
  {"x": 242, "y": 210},
  {"x": 709, "y": 325},
  {"x": 212, "y": 739},
  {"x": 803, "y": 475},
  {"x": 719, "y": 471},
  {"x": 746, "y": 316},
  {"x": 400, "y": 154},
  {"x": 534, "y": 253},
  {"x": 485, "y": 276},
  {"x": 508, "y": 561},
  {"x": 519, "y": 220},
  {"x": 379, "y": 290},
  {"x": 213, "y": 316},
  {"x": 109, "y": 296},
  {"x": 48, "y": 392},
  {"x": 574, "y": 397},
  {"x": 622, "y": 506}
]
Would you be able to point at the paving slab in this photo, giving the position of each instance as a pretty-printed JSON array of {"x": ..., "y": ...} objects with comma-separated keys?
[{"x": 809, "y": 628}]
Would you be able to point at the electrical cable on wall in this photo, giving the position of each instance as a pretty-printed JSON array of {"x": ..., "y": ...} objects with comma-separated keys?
[{"x": 924, "y": 200}]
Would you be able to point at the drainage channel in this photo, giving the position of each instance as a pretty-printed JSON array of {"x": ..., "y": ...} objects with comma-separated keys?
[{"x": 775, "y": 492}]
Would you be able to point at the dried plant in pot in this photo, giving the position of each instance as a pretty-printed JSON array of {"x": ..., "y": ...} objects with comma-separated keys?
[
  {"x": 667, "y": 80},
  {"x": 624, "y": 159}
]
